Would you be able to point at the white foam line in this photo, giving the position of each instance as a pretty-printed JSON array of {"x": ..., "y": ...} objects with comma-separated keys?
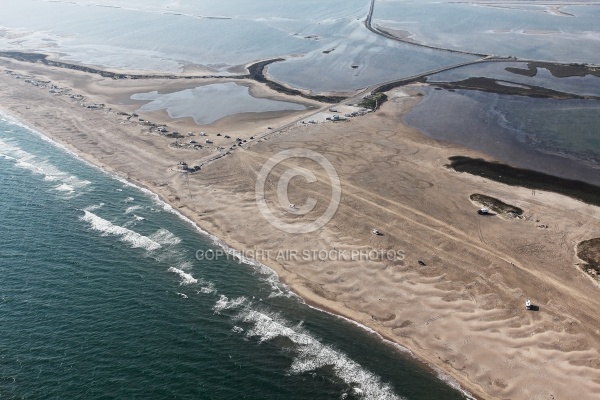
[
  {"x": 184, "y": 266},
  {"x": 42, "y": 167},
  {"x": 186, "y": 279},
  {"x": 28, "y": 161},
  {"x": 263, "y": 269},
  {"x": 279, "y": 288},
  {"x": 63, "y": 187},
  {"x": 441, "y": 375},
  {"x": 312, "y": 355},
  {"x": 75, "y": 182},
  {"x": 452, "y": 383},
  {"x": 15, "y": 121},
  {"x": 268, "y": 271},
  {"x": 164, "y": 237},
  {"x": 365, "y": 328},
  {"x": 210, "y": 288},
  {"x": 132, "y": 209},
  {"x": 15, "y": 151},
  {"x": 106, "y": 227},
  {"x": 225, "y": 304},
  {"x": 94, "y": 207}
]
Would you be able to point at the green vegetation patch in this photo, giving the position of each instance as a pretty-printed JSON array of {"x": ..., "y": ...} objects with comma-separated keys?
[
  {"x": 373, "y": 101},
  {"x": 497, "y": 206}
]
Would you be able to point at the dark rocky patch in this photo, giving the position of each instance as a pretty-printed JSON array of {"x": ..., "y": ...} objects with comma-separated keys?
[{"x": 496, "y": 205}]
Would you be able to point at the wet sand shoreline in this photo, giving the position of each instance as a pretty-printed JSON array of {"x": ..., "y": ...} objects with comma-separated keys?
[{"x": 462, "y": 313}]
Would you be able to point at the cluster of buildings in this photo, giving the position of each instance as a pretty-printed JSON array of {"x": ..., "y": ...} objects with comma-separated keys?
[{"x": 52, "y": 88}]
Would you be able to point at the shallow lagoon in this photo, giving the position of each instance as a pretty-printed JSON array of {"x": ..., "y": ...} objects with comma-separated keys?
[
  {"x": 210, "y": 103},
  {"x": 220, "y": 36},
  {"x": 355, "y": 58},
  {"x": 588, "y": 85},
  {"x": 224, "y": 36},
  {"x": 559, "y": 137},
  {"x": 530, "y": 32}
]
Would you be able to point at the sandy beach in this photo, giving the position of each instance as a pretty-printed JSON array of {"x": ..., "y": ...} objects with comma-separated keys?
[{"x": 461, "y": 312}]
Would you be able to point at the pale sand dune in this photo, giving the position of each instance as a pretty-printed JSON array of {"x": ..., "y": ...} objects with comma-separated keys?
[{"x": 463, "y": 313}]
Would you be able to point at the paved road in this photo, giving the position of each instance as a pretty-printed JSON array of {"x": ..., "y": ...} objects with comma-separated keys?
[
  {"x": 374, "y": 88},
  {"x": 369, "y": 26}
]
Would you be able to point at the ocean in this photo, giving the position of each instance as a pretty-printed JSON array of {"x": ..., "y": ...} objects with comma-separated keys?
[{"x": 101, "y": 296}]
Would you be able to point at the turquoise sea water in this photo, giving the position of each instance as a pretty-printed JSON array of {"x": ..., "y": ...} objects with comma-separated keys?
[
  {"x": 101, "y": 297},
  {"x": 100, "y": 293}
]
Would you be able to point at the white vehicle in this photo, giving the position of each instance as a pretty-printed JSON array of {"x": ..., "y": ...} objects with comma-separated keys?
[
  {"x": 528, "y": 304},
  {"x": 376, "y": 232},
  {"x": 483, "y": 211}
]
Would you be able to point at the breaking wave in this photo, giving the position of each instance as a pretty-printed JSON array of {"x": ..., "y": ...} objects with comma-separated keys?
[
  {"x": 164, "y": 237},
  {"x": 34, "y": 164},
  {"x": 63, "y": 187},
  {"x": 132, "y": 209},
  {"x": 208, "y": 289},
  {"x": 128, "y": 236},
  {"x": 312, "y": 355},
  {"x": 225, "y": 304},
  {"x": 186, "y": 279}
]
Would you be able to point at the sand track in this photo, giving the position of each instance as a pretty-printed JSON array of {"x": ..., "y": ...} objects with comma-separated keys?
[{"x": 462, "y": 312}]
